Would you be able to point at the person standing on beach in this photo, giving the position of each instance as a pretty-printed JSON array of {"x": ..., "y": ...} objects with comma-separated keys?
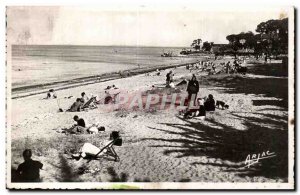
[
  {"x": 192, "y": 89},
  {"x": 29, "y": 170},
  {"x": 227, "y": 67},
  {"x": 169, "y": 78}
]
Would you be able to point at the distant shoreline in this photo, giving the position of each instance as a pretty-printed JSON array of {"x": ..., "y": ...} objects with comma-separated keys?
[
  {"x": 25, "y": 91},
  {"x": 33, "y": 45}
]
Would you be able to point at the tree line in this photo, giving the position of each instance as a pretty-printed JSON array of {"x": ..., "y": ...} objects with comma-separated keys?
[{"x": 270, "y": 38}]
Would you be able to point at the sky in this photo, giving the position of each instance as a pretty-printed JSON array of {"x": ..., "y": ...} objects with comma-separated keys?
[{"x": 134, "y": 26}]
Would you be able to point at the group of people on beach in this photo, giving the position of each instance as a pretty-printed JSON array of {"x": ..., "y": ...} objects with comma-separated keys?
[
  {"x": 203, "y": 104},
  {"x": 29, "y": 170},
  {"x": 80, "y": 127},
  {"x": 224, "y": 67},
  {"x": 83, "y": 102}
]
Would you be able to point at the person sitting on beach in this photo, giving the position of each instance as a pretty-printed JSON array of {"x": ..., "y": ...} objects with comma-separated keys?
[
  {"x": 76, "y": 106},
  {"x": 197, "y": 112},
  {"x": 84, "y": 97},
  {"x": 80, "y": 126},
  {"x": 29, "y": 170},
  {"x": 51, "y": 94},
  {"x": 209, "y": 104},
  {"x": 77, "y": 128},
  {"x": 157, "y": 72}
]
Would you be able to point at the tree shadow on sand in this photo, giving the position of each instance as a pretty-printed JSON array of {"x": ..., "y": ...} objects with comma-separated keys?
[
  {"x": 237, "y": 84},
  {"x": 67, "y": 172},
  {"x": 14, "y": 176},
  {"x": 223, "y": 142}
]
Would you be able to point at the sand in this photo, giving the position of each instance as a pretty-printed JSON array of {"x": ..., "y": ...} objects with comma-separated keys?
[{"x": 159, "y": 145}]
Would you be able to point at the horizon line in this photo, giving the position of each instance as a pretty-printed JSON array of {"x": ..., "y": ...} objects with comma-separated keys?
[{"x": 104, "y": 45}]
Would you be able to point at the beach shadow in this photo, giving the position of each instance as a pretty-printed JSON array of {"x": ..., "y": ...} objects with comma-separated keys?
[
  {"x": 278, "y": 103},
  {"x": 67, "y": 172},
  {"x": 123, "y": 177},
  {"x": 14, "y": 176},
  {"x": 272, "y": 69},
  {"x": 219, "y": 141},
  {"x": 237, "y": 84}
]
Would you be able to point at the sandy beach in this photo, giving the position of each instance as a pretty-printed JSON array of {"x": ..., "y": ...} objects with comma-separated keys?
[{"x": 160, "y": 145}]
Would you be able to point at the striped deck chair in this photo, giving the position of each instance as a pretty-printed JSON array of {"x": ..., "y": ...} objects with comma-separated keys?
[
  {"x": 108, "y": 149},
  {"x": 89, "y": 104}
]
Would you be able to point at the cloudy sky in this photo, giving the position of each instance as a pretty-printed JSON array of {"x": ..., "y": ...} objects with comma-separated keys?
[{"x": 131, "y": 26}]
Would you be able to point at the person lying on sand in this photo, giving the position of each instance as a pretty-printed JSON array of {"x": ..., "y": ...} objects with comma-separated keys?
[
  {"x": 29, "y": 170},
  {"x": 89, "y": 150},
  {"x": 80, "y": 127},
  {"x": 95, "y": 129},
  {"x": 76, "y": 106}
]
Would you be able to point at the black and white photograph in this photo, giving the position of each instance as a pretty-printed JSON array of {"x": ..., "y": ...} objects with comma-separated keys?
[{"x": 150, "y": 97}]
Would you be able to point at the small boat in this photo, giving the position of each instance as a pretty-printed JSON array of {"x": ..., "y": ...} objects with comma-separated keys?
[{"x": 167, "y": 54}]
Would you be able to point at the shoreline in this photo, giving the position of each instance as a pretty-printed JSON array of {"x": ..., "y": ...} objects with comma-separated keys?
[{"x": 26, "y": 91}]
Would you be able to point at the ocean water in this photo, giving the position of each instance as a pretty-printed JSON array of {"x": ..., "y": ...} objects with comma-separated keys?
[{"x": 40, "y": 64}]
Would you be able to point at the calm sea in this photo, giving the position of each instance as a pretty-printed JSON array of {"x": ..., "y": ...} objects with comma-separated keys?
[{"x": 39, "y": 64}]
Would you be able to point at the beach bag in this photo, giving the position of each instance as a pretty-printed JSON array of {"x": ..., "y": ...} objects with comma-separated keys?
[
  {"x": 116, "y": 136},
  {"x": 101, "y": 128}
]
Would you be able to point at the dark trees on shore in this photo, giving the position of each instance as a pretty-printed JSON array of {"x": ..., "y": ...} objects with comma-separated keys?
[
  {"x": 207, "y": 46},
  {"x": 196, "y": 44},
  {"x": 272, "y": 39}
]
